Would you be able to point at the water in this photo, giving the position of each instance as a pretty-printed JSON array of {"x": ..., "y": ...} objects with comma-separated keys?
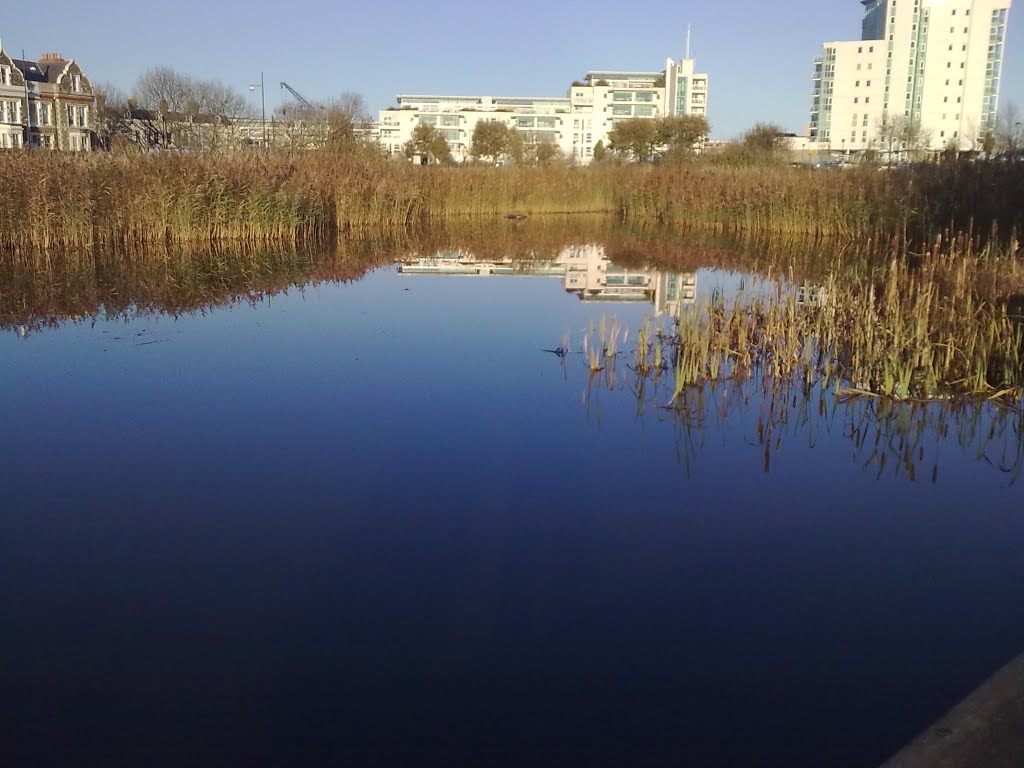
[{"x": 373, "y": 523}]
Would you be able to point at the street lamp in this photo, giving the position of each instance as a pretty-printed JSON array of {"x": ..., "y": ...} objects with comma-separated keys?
[{"x": 263, "y": 99}]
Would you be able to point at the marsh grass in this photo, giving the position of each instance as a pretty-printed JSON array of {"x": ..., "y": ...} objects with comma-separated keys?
[
  {"x": 61, "y": 202},
  {"x": 899, "y": 353},
  {"x": 934, "y": 326}
]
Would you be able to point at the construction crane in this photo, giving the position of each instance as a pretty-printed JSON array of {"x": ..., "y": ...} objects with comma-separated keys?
[{"x": 299, "y": 97}]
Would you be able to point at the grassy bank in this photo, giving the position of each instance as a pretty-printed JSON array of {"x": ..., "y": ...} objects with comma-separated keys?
[{"x": 63, "y": 202}]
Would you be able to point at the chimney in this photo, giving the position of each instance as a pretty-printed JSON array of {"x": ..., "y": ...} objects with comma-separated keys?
[{"x": 51, "y": 58}]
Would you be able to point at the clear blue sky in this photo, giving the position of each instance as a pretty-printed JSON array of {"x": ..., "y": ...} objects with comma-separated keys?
[{"x": 758, "y": 53}]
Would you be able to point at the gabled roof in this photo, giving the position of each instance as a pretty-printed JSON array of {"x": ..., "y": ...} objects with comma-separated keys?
[{"x": 42, "y": 72}]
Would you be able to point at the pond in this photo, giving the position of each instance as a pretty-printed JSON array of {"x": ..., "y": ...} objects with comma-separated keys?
[{"x": 381, "y": 519}]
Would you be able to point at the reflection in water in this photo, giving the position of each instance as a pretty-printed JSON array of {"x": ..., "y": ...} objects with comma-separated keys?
[
  {"x": 380, "y": 503},
  {"x": 886, "y": 437},
  {"x": 586, "y": 270},
  {"x": 78, "y": 288},
  {"x": 614, "y": 266},
  {"x": 36, "y": 293}
]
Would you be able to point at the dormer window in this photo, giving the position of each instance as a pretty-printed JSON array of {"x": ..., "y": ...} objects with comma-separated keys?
[
  {"x": 5, "y": 75},
  {"x": 76, "y": 83}
]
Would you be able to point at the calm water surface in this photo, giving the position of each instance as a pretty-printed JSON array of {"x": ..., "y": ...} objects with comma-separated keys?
[{"x": 374, "y": 524}]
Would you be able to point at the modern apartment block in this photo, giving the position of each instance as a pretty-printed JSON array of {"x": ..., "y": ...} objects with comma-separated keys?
[
  {"x": 575, "y": 122},
  {"x": 46, "y": 103},
  {"x": 931, "y": 63}
]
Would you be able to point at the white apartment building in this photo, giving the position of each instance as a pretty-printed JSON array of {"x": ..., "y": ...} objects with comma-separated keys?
[
  {"x": 576, "y": 122},
  {"x": 934, "y": 62}
]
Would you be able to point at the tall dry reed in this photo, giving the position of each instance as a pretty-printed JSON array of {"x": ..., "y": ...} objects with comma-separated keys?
[{"x": 54, "y": 202}]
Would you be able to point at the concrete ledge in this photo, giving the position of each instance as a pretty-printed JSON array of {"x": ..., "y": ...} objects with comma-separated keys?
[{"x": 985, "y": 731}]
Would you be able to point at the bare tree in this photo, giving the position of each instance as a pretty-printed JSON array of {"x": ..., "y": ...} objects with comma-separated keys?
[
  {"x": 341, "y": 124},
  {"x": 162, "y": 86},
  {"x": 122, "y": 125},
  {"x": 111, "y": 117},
  {"x": 901, "y": 137},
  {"x": 196, "y": 114},
  {"x": 914, "y": 138}
]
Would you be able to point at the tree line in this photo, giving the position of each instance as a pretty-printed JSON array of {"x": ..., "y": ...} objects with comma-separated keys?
[
  {"x": 494, "y": 141},
  {"x": 172, "y": 110}
]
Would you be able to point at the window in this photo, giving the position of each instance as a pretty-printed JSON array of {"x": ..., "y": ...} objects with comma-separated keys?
[
  {"x": 76, "y": 83},
  {"x": 5, "y": 75}
]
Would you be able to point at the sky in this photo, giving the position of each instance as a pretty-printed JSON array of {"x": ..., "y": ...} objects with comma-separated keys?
[{"x": 758, "y": 54}]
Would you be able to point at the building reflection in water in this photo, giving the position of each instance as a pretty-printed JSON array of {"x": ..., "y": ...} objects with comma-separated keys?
[{"x": 585, "y": 270}]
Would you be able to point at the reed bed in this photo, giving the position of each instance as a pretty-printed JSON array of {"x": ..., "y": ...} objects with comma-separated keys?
[
  {"x": 59, "y": 203},
  {"x": 920, "y": 351},
  {"x": 940, "y": 324}
]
